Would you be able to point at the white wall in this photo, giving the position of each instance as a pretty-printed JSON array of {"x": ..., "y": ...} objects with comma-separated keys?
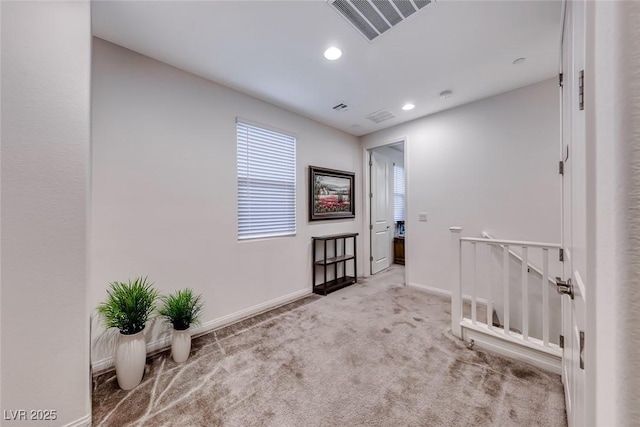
[
  {"x": 46, "y": 52},
  {"x": 612, "y": 107},
  {"x": 164, "y": 188},
  {"x": 486, "y": 166}
]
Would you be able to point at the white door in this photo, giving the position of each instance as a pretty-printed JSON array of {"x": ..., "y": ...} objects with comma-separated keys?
[
  {"x": 574, "y": 203},
  {"x": 380, "y": 226}
]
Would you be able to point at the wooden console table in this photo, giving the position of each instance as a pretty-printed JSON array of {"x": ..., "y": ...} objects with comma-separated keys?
[{"x": 328, "y": 286}]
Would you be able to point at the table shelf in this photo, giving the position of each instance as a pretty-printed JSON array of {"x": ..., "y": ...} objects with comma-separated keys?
[
  {"x": 334, "y": 260},
  {"x": 338, "y": 282}
]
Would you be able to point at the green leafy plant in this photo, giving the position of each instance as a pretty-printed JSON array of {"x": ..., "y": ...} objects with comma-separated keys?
[
  {"x": 129, "y": 305},
  {"x": 182, "y": 308}
]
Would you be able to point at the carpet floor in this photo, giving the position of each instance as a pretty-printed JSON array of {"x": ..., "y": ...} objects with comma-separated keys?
[{"x": 376, "y": 353}]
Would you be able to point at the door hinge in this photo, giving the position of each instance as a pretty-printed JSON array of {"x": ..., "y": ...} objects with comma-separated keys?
[
  {"x": 561, "y": 79},
  {"x": 561, "y": 167},
  {"x": 561, "y": 343},
  {"x": 582, "y": 350},
  {"x": 371, "y": 258},
  {"x": 581, "y": 90},
  {"x": 370, "y": 162},
  {"x": 561, "y": 255},
  {"x": 370, "y": 226},
  {"x": 371, "y": 195}
]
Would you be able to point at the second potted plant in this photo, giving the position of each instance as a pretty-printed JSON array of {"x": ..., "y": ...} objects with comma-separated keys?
[{"x": 182, "y": 309}]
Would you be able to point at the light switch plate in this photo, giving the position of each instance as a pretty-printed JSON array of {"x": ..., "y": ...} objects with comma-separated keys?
[{"x": 422, "y": 217}]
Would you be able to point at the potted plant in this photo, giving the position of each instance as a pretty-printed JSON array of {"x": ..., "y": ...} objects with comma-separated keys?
[
  {"x": 128, "y": 307},
  {"x": 182, "y": 309}
]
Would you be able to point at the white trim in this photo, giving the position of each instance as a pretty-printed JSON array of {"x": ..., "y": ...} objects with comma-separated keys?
[
  {"x": 251, "y": 311},
  {"x": 447, "y": 294},
  {"x": 431, "y": 290},
  {"x": 162, "y": 344},
  {"x": 81, "y": 422},
  {"x": 537, "y": 358}
]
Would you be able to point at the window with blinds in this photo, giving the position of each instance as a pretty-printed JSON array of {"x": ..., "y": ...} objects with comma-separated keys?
[
  {"x": 266, "y": 182},
  {"x": 398, "y": 193}
]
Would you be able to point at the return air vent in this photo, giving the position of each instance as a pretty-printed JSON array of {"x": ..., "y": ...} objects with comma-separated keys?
[
  {"x": 341, "y": 107},
  {"x": 373, "y": 17},
  {"x": 380, "y": 116}
]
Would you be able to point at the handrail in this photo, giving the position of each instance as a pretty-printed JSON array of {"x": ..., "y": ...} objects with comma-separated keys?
[
  {"x": 512, "y": 242},
  {"x": 519, "y": 258}
]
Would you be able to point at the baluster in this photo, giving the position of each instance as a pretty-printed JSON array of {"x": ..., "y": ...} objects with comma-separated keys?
[
  {"x": 505, "y": 286},
  {"x": 525, "y": 293},
  {"x": 490, "y": 301},
  {"x": 474, "y": 284},
  {"x": 545, "y": 297},
  {"x": 456, "y": 285}
]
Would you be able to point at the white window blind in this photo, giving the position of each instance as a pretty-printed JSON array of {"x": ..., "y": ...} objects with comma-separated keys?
[
  {"x": 398, "y": 193},
  {"x": 266, "y": 183}
]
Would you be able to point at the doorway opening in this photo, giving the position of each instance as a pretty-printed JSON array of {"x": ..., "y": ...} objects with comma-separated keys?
[{"x": 387, "y": 206}]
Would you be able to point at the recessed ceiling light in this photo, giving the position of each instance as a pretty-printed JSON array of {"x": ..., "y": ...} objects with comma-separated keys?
[
  {"x": 407, "y": 107},
  {"x": 519, "y": 61},
  {"x": 446, "y": 94},
  {"x": 332, "y": 53}
]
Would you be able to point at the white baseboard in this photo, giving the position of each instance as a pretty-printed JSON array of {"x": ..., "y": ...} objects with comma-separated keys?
[
  {"x": 82, "y": 422},
  {"x": 164, "y": 343},
  {"x": 447, "y": 294},
  {"x": 431, "y": 290},
  {"x": 251, "y": 311}
]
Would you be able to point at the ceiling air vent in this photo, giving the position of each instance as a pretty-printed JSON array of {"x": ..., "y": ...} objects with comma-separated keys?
[
  {"x": 380, "y": 116},
  {"x": 373, "y": 17},
  {"x": 341, "y": 107}
]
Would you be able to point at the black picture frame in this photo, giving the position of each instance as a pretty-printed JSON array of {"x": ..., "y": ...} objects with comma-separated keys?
[{"x": 331, "y": 194}]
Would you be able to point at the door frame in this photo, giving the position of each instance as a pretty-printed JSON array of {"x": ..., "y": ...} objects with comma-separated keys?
[{"x": 366, "y": 184}]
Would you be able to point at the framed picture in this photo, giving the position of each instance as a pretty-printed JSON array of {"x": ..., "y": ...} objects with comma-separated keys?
[{"x": 331, "y": 194}]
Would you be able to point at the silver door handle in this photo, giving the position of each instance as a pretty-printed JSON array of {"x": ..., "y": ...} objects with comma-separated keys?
[{"x": 564, "y": 288}]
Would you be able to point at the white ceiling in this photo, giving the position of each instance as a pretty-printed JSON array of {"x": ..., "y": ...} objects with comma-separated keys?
[{"x": 273, "y": 50}]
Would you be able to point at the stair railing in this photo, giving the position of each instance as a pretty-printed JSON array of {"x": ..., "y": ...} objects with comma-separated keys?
[{"x": 459, "y": 321}]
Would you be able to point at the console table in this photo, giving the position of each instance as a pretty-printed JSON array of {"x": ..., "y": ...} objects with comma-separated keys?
[{"x": 328, "y": 286}]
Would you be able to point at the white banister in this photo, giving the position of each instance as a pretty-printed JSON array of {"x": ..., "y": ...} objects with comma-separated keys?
[
  {"x": 525, "y": 292},
  {"x": 456, "y": 283},
  {"x": 512, "y": 242},
  {"x": 468, "y": 266}
]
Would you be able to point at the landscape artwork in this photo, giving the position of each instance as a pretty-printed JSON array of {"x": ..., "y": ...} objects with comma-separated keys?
[{"x": 331, "y": 194}]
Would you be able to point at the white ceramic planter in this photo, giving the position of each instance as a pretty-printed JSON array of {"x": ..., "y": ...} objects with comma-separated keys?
[
  {"x": 131, "y": 356},
  {"x": 180, "y": 345}
]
